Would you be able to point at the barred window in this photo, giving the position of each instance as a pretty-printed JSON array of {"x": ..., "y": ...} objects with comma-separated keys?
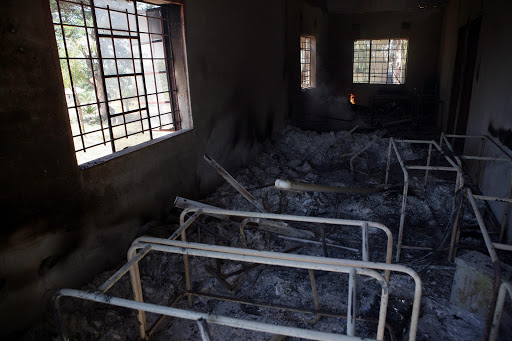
[
  {"x": 380, "y": 61},
  {"x": 307, "y": 62},
  {"x": 116, "y": 60}
]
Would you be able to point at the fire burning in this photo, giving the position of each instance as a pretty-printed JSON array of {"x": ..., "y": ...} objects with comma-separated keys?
[{"x": 352, "y": 99}]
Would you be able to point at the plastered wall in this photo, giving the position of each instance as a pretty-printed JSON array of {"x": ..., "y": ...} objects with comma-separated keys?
[{"x": 490, "y": 110}]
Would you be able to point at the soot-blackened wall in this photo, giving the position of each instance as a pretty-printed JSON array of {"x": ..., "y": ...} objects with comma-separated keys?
[{"x": 62, "y": 224}]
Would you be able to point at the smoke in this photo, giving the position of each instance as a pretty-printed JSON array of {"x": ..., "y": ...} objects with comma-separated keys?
[
  {"x": 324, "y": 102},
  {"x": 339, "y": 107}
]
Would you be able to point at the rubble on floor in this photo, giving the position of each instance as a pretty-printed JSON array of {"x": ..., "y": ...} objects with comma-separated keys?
[{"x": 309, "y": 157}]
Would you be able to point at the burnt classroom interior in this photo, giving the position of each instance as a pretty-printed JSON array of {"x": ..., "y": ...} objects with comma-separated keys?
[{"x": 257, "y": 170}]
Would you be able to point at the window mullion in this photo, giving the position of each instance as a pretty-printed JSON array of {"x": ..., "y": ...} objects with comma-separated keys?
[
  {"x": 142, "y": 69},
  {"x": 135, "y": 70},
  {"x": 71, "y": 77},
  {"x": 92, "y": 73},
  {"x": 370, "y": 62},
  {"x": 387, "y": 63},
  {"x": 169, "y": 66},
  {"x": 154, "y": 73},
  {"x": 117, "y": 73},
  {"x": 102, "y": 72},
  {"x": 94, "y": 78}
]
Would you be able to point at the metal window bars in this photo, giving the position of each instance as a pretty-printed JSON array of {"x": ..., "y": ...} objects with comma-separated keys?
[
  {"x": 459, "y": 182},
  {"x": 380, "y": 61},
  {"x": 305, "y": 62},
  {"x": 118, "y": 68},
  {"x": 353, "y": 268}
]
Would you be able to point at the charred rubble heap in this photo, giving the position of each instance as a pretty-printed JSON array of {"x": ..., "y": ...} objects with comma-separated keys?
[{"x": 359, "y": 195}]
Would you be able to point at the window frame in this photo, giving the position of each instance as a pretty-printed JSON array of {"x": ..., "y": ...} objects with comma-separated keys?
[
  {"x": 311, "y": 63},
  {"x": 370, "y": 73},
  {"x": 165, "y": 93}
]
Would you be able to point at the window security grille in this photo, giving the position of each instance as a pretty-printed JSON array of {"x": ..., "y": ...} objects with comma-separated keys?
[
  {"x": 117, "y": 66},
  {"x": 380, "y": 61}
]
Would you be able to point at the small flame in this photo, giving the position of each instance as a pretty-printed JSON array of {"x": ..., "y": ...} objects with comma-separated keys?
[{"x": 352, "y": 99}]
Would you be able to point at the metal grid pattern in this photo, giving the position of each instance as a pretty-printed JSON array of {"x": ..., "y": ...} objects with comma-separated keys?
[
  {"x": 117, "y": 66},
  {"x": 453, "y": 167},
  {"x": 361, "y": 61},
  {"x": 143, "y": 245},
  {"x": 305, "y": 62},
  {"x": 380, "y": 61}
]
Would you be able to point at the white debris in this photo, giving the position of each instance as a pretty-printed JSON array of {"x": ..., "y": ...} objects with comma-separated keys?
[{"x": 314, "y": 158}]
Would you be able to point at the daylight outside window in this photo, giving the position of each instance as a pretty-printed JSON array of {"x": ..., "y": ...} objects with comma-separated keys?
[
  {"x": 117, "y": 66},
  {"x": 380, "y": 61},
  {"x": 307, "y": 62}
]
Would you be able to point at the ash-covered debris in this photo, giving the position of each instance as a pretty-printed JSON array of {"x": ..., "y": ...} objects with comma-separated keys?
[{"x": 303, "y": 156}]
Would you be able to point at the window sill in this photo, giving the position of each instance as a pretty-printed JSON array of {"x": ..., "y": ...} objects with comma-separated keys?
[{"x": 123, "y": 152}]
